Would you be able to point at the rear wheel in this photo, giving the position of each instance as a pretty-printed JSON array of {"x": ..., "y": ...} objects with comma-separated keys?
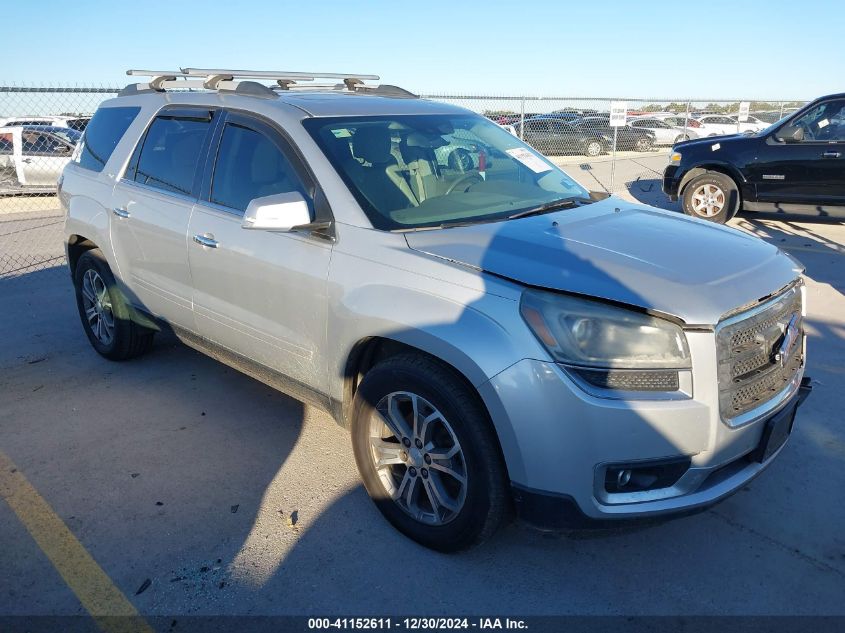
[
  {"x": 105, "y": 314},
  {"x": 680, "y": 138},
  {"x": 427, "y": 453},
  {"x": 711, "y": 196}
]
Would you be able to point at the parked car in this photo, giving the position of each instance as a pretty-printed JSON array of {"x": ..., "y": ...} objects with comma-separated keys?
[
  {"x": 664, "y": 133},
  {"x": 796, "y": 164},
  {"x": 494, "y": 335},
  {"x": 770, "y": 116},
  {"x": 32, "y": 157},
  {"x": 661, "y": 115},
  {"x": 75, "y": 123},
  {"x": 683, "y": 122},
  {"x": 718, "y": 125},
  {"x": 578, "y": 111},
  {"x": 627, "y": 137},
  {"x": 568, "y": 117},
  {"x": 555, "y": 137}
]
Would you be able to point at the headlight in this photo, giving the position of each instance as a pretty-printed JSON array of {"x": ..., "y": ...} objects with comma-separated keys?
[{"x": 609, "y": 347}]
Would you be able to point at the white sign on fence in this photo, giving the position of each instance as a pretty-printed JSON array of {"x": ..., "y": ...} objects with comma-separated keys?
[
  {"x": 618, "y": 113},
  {"x": 744, "y": 107}
]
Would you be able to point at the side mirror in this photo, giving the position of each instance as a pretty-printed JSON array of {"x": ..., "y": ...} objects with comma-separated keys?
[
  {"x": 279, "y": 212},
  {"x": 790, "y": 134}
]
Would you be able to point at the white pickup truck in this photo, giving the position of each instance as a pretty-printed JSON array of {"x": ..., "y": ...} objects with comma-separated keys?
[{"x": 32, "y": 157}]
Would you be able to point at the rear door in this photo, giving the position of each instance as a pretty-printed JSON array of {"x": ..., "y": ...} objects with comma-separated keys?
[
  {"x": 151, "y": 209},
  {"x": 261, "y": 294},
  {"x": 811, "y": 171}
]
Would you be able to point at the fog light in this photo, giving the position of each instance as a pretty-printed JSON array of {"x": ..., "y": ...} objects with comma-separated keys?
[{"x": 642, "y": 476}]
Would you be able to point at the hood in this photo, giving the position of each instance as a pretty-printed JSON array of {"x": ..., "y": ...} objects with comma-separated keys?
[
  {"x": 707, "y": 141},
  {"x": 630, "y": 253}
]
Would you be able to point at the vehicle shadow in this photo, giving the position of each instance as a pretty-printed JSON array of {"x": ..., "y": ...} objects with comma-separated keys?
[
  {"x": 648, "y": 191},
  {"x": 158, "y": 465}
]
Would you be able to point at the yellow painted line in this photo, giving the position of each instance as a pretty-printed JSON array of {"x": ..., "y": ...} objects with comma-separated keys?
[{"x": 107, "y": 605}]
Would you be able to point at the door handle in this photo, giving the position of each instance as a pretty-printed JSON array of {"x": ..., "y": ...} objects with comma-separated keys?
[
  {"x": 26, "y": 160},
  {"x": 121, "y": 213},
  {"x": 204, "y": 240},
  {"x": 831, "y": 154}
]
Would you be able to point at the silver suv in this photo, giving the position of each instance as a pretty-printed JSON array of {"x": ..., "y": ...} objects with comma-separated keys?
[{"x": 495, "y": 337}]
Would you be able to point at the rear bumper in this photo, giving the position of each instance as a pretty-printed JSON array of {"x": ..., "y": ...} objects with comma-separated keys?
[{"x": 556, "y": 511}]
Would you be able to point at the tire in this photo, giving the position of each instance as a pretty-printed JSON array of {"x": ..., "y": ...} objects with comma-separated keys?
[
  {"x": 97, "y": 295},
  {"x": 680, "y": 139},
  {"x": 711, "y": 196},
  {"x": 457, "y": 421},
  {"x": 643, "y": 144},
  {"x": 593, "y": 148}
]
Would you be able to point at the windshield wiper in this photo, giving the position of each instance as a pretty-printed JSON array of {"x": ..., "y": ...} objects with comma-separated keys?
[{"x": 549, "y": 206}]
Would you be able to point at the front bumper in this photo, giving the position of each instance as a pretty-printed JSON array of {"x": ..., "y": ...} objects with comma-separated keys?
[
  {"x": 559, "y": 443},
  {"x": 671, "y": 181}
]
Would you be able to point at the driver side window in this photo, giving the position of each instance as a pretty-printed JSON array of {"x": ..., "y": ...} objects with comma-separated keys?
[
  {"x": 249, "y": 165},
  {"x": 825, "y": 123}
]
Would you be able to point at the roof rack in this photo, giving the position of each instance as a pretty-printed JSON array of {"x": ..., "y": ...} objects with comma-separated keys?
[{"x": 233, "y": 80}]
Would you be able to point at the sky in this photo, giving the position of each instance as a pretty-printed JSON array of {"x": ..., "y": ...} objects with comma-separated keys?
[{"x": 711, "y": 49}]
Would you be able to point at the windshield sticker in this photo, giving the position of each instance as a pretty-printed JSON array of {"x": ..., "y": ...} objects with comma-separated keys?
[
  {"x": 529, "y": 159},
  {"x": 714, "y": 147},
  {"x": 823, "y": 123}
]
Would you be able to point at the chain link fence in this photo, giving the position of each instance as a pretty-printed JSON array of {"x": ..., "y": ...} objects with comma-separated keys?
[
  {"x": 575, "y": 133},
  {"x": 39, "y": 127}
]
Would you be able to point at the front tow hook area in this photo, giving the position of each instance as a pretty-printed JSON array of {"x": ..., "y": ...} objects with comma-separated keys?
[{"x": 804, "y": 389}]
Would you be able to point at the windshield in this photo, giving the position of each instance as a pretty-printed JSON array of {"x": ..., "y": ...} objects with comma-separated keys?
[{"x": 416, "y": 171}]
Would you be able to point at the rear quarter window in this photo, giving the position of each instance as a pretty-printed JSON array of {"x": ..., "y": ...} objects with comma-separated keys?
[{"x": 102, "y": 134}]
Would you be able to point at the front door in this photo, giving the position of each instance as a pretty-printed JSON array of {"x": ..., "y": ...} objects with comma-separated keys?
[
  {"x": 811, "y": 171},
  {"x": 43, "y": 157},
  {"x": 151, "y": 209},
  {"x": 260, "y": 294}
]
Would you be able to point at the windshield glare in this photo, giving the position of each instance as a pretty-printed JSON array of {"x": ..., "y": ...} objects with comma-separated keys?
[{"x": 418, "y": 171}]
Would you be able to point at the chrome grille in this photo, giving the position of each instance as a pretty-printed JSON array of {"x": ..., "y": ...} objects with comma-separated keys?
[{"x": 751, "y": 370}]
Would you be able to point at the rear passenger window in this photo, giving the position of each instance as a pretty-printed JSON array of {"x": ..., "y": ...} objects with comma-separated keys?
[
  {"x": 249, "y": 165},
  {"x": 102, "y": 134},
  {"x": 170, "y": 154}
]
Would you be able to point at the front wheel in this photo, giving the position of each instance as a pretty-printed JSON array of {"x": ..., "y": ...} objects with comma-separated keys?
[
  {"x": 643, "y": 144},
  {"x": 711, "y": 196},
  {"x": 427, "y": 453},
  {"x": 680, "y": 138}
]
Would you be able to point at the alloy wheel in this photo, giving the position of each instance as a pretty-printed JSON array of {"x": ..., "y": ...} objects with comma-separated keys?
[
  {"x": 98, "y": 307},
  {"x": 708, "y": 200},
  {"x": 418, "y": 458},
  {"x": 593, "y": 148}
]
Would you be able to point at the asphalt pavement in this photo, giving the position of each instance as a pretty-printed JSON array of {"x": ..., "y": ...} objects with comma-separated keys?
[{"x": 197, "y": 490}]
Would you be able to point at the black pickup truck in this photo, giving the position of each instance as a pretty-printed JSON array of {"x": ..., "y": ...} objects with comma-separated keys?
[{"x": 797, "y": 165}]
